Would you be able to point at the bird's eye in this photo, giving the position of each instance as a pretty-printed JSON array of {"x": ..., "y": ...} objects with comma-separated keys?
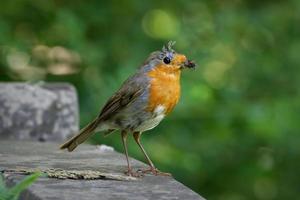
[{"x": 167, "y": 60}]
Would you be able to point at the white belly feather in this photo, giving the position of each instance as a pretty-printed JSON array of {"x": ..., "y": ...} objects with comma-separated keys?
[
  {"x": 150, "y": 122},
  {"x": 158, "y": 115}
]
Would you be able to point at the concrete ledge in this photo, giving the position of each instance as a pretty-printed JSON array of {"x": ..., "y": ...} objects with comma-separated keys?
[{"x": 16, "y": 154}]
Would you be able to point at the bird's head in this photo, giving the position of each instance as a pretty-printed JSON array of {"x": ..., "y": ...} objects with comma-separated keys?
[{"x": 169, "y": 59}]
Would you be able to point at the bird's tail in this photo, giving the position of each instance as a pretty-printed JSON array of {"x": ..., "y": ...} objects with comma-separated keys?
[{"x": 83, "y": 135}]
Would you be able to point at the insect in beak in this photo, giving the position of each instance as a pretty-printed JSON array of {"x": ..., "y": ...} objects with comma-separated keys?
[{"x": 189, "y": 64}]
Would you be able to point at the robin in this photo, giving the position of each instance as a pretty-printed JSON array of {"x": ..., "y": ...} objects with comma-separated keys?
[{"x": 141, "y": 103}]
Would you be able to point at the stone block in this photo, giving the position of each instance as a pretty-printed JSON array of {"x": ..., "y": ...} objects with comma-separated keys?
[{"x": 41, "y": 112}]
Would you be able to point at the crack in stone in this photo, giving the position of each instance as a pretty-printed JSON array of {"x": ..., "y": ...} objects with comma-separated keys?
[{"x": 69, "y": 174}]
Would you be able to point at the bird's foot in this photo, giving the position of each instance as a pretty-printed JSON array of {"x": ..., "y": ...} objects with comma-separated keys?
[
  {"x": 154, "y": 171},
  {"x": 130, "y": 172}
]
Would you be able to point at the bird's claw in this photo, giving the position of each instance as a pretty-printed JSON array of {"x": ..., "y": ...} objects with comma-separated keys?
[
  {"x": 130, "y": 172},
  {"x": 154, "y": 171}
]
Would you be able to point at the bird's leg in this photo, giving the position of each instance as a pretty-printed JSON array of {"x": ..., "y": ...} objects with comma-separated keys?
[
  {"x": 137, "y": 136},
  {"x": 129, "y": 171},
  {"x": 152, "y": 169}
]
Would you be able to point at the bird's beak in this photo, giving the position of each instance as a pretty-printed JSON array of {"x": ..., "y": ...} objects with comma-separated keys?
[{"x": 189, "y": 64}]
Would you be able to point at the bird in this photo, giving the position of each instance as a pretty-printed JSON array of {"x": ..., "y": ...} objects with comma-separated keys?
[{"x": 140, "y": 104}]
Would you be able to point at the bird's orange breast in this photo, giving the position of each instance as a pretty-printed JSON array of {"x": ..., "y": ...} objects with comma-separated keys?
[{"x": 164, "y": 87}]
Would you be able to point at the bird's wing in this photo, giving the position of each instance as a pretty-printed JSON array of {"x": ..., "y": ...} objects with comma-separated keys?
[{"x": 121, "y": 99}]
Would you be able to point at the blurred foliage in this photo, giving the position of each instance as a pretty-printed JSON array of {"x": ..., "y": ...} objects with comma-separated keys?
[
  {"x": 14, "y": 192},
  {"x": 234, "y": 134}
]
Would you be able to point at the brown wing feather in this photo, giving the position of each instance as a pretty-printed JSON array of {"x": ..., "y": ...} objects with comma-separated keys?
[
  {"x": 126, "y": 95},
  {"x": 119, "y": 101},
  {"x": 133, "y": 87},
  {"x": 83, "y": 135}
]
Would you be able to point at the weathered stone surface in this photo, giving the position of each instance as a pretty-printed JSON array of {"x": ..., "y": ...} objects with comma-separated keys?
[
  {"x": 69, "y": 174},
  {"x": 44, "y": 112},
  {"x": 15, "y": 154}
]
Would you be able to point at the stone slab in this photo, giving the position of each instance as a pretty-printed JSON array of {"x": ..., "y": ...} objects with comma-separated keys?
[
  {"x": 15, "y": 154},
  {"x": 41, "y": 112}
]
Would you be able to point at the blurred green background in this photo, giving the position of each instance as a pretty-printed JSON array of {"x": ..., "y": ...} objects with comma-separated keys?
[{"x": 235, "y": 133}]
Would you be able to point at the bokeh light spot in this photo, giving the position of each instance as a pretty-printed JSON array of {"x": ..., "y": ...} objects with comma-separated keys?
[
  {"x": 265, "y": 188},
  {"x": 17, "y": 60},
  {"x": 214, "y": 73},
  {"x": 160, "y": 24}
]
